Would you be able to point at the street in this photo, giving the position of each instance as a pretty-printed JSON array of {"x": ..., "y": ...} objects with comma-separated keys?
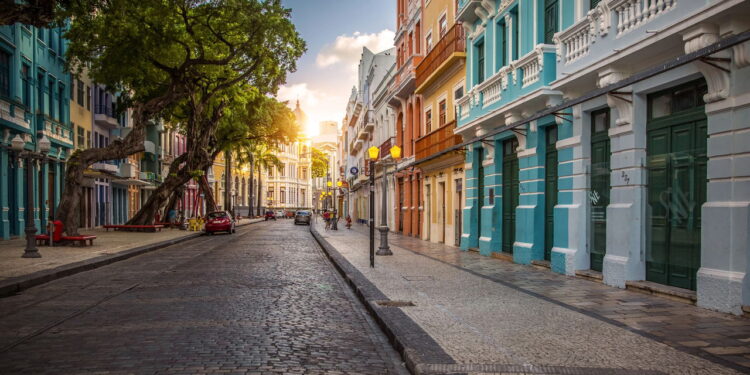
[{"x": 264, "y": 300}]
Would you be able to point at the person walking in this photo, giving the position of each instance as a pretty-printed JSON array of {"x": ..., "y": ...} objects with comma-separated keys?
[{"x": 327, "y": 218}]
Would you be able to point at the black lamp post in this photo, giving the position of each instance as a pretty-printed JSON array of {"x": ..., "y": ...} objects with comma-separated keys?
[{"x": 43, "y": 146}]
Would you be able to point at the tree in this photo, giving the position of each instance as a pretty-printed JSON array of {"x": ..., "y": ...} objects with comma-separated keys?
[
  {"x": 185, "y": 60},
  {"x": 319, "y": 163},
  {"x": 265, "y": 158}
]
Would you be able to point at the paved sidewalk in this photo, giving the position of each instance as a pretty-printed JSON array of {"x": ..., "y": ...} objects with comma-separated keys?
[
  {"x": 108, "y": 245},
  {"x": 490, "y": 314}
]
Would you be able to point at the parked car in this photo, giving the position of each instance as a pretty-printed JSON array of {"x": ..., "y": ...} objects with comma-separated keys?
[
  {"x": 270, "y": 216},
  {"x": 219, "y": 221},
  {"x": 279, "y": 214},
  {"x": 302, "y": 217}
]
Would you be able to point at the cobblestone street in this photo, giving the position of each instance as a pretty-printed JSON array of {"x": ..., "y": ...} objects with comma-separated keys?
[{"x": 264, "y": 300}]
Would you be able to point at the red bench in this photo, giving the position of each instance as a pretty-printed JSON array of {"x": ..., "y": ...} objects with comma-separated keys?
[
  {"x": 43, "y": 239},
  {"x": 80, "y": 239},
  {"x": 136, "y": 228}
]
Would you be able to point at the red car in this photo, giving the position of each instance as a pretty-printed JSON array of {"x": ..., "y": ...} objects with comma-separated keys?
[{"x": 219, "y": 221}]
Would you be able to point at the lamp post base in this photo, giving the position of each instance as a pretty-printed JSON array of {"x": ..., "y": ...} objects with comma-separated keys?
[
  {"x": 384, "y": 249},
  {"x": 31, "y": 251}
]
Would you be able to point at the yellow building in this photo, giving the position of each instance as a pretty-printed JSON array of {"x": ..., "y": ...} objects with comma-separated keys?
[
  {"x": 239, "y": 185},
  {"x": 81, "y": 120},
  {"x": 440, "y": 81}
]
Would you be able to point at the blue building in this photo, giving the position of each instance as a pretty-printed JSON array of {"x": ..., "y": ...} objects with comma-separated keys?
[
  {"x": 34, "y": 102},
  {"x": 643, "y": 187}
]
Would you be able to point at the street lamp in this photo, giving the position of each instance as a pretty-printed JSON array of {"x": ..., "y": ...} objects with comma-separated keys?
[
  {"x": 384, "y": 249},
  {"x": 373, "y": 153},
  {"x": 17, "y": 145}
]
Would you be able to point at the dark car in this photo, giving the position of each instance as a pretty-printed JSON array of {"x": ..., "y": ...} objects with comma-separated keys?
[
  {"x": 270, "y": 215},
  {"x": 219, "y": 221},
  {"x": 302, "y": 217}
]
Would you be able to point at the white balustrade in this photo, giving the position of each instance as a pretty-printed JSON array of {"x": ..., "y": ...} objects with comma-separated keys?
[
  {"x": 463, "y": 107},
  {"x": 491, "y": 91},
  {"x": 575, "y": 41},
  {"x": 633, "y": 13}
]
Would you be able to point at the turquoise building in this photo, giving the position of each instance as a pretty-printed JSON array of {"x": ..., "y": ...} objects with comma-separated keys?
[
  {"x": 646, "y": 186},
  {"x": 34, "y": 102}
]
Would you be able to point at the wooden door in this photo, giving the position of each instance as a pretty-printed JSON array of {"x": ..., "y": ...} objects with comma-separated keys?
[
  {"x": 510, "y": 194},
  {"x": 600, "y": 187},
  {"x": 550, "y": 189}
]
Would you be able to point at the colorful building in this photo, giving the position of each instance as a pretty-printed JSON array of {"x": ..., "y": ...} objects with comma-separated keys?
[
  {"x": 440, "y": 81},
  {"x": 34, "y": 103},
  {"x": 642, "y": 185},
  {"x": 407, "y": 104}
]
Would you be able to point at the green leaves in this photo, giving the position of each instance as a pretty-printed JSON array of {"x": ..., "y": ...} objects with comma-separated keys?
[{"x": 319, "y": 163}]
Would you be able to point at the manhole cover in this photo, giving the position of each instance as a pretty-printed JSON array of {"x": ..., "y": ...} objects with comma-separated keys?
[{"x": 395, "y": 303}]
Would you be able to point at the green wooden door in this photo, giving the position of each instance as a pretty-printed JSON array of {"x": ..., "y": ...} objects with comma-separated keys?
[
  {"x": 600, "y": 185},
  {"x": 550, "y": 20},
  {"x": 676, "y": 149},
  {"x": 550, "y": 189},
  {"x": 510, "y": 193}
]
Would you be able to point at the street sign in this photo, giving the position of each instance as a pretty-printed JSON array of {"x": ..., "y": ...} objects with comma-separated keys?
[{"x": 354, "y": 170}]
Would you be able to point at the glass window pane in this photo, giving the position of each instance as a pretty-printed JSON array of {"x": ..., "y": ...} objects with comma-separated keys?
[
  {"x": 683, "y": 99},
  {"x": 661, "y": 105}
]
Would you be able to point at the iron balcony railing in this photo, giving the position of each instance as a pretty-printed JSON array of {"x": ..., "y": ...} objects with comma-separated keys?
[
  {"x": 454, "y": 41},
  {"x": 437, "y": 140}
]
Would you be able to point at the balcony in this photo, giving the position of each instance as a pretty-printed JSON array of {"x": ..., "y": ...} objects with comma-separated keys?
[
  {"x": 450, "y": 48},
  {"x": 104, "y": 117},
  {"x": 404, "y": 80},
  {"x": 150, "y": 176},
  {"x": 385, "y": 147},
  {"x": 370, "y": 121},
  {"x": 105, "y": 167},
  {"x": 436, "y": 141},
  {"x": 128, "y": 170},
  {"x": 54, "y": 130},
  {"x": 11, "y": 113}
]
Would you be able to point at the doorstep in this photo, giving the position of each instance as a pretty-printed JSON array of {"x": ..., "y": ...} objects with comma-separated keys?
[
  {"x": 502, "y": 256},
  {"x": 543, "y": 264},
  {"x": 670, "y": 292},
  {"x": 590, "y": 275}
]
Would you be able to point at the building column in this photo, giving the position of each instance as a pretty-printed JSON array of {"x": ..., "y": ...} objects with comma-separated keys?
[
  {"x": 491, "y": 231},
  {"x": 46, "y": 199},
  {"x": 4, "y": 199},
  {"x": 626, "y": 227},
  {"x": 470, "y": 230},
  {"x": 571, "y": 212},
  {"x": 723, "y": 283},
  {"x": 529, "y": 244}
]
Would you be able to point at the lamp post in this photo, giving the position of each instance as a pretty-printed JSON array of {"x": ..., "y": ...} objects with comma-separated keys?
[
  {"x": 373, "y": 153},
  {"x": 43, "y": 146},
  {"x": 384, "y": 249}
]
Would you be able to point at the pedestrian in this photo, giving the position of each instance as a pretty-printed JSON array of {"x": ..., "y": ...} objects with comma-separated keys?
[
  {"x": 348, "y": 222},
  {"x": 327, "y": 218}
]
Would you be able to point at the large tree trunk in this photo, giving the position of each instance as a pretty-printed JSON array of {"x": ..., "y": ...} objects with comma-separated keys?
[
  {"x": 250, "y": 188},
  {"x": 207, "y": 194},
  {"x": 176, "y": 178},
  {"x": 228, "y": 206},
  {"x": 260, "y": 187}
]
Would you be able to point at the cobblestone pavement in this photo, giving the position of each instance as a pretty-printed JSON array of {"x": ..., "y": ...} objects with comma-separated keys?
[
  {"x": 264, "y": 300},
  {"x": 486, "y": 311}
]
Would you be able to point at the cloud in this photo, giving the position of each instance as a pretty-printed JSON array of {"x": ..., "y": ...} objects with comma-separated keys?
[
  {"x": 347, "y": 49},
  {"x": 318, "y": 104}
]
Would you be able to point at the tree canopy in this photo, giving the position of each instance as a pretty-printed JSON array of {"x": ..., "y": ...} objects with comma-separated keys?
[{"x": 319, "y": 163}]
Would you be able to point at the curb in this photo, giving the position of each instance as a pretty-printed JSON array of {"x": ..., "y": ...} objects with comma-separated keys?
[
  {"x": 418, "y": 349},
  {"x": 16, "y": 284}
]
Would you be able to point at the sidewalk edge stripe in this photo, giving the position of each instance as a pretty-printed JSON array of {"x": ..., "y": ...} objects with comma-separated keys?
[{"x": 416, "y": 347}]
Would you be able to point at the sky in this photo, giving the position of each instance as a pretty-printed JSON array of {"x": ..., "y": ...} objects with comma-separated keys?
[{"x": 335, "y": 32}]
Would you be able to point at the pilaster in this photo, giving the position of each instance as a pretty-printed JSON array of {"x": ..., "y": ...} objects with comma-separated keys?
[
  {"x": 470, "y": 231},
  {"x": 491, "y": 230},
  {"x": 4, "y": 202},
  {"x": 529, "y": 244}
]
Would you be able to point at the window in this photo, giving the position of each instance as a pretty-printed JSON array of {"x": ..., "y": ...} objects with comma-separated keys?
[
  {"x": 88, "y": 138},
  {"x": 593, "y": 3},
  {"x": 459, "y": 93},
  {"x": 80, "y": 92},
  {"x": 88, "y": 98},
  {"x": 443, "y": 25},
  {"x": 550, "y": 20},
  {"x": 428, "y": 42},
  {"x": 428, "y": 120},
  {"x": 4, "y": 73},
  {"x": 26, "y": 88},
  {"x": 502, "y": 43},
  {"x": 40, "y": 92},
  {"x": 514, "y": 35},
  {"x": 491, "y": 195},
  {"x": 441, "y": 112},
  {"x": 599, "y": 121},
  {"x": 269, "y": 194},
  {"x": 282, "y": 170},
  {"x": 480, "y": 62},
  {"x": 80, "y": 139},
  {"x": 61, "y": 103},
  {"x": 51, "y": 98},
  {"x": 677, "y": 99},
  {"x": 282, "y": 195}
]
